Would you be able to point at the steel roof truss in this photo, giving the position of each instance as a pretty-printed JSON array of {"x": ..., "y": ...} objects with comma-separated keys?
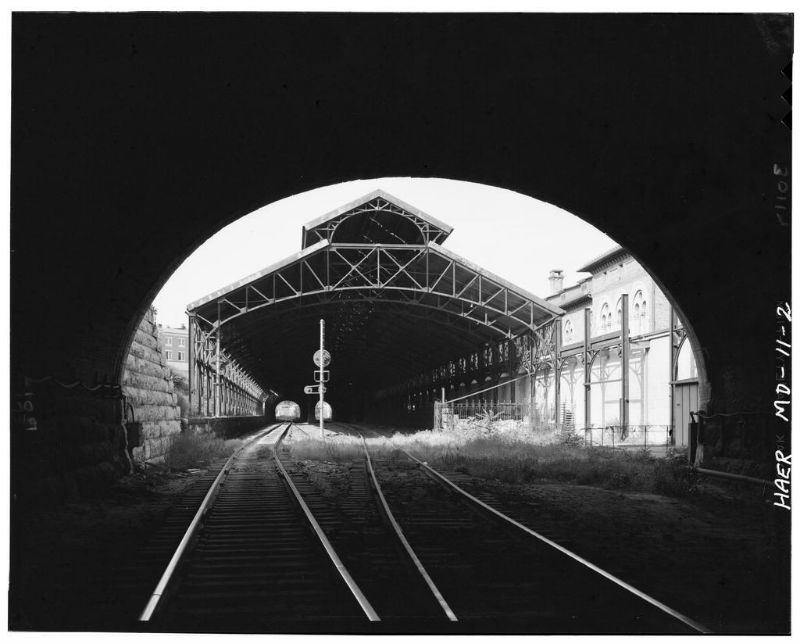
[
  {"x": 401, "y": 269},
  {"x": 285, "y": 281},
  {"x": 353, "y": 267},
  {"x": 447, "y": 268},
  {"x": 390, "y": 274},
  {"x": 314, "y": 273},
  {"x": 470, "y": 283},
  {"x": 267, "y": 300}
]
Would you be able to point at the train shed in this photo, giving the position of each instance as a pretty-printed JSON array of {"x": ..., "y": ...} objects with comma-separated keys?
[{"x": 404, "y": 317}]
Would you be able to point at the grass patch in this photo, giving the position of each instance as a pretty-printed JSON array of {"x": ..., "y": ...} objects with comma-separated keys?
[
  {"x": 516, "y": 458},
  {"x": 515, "y": 461},
  {"x": 671, "y": 477},
  {"x": 338, "y": 449},
  {"x": 189, "y": 450}
]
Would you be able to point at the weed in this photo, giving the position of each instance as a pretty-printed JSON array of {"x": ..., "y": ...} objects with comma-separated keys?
[
  {"x": 339, "y": 449},
  {"x": 672, "y": 478},
  {"x": 514, "y": 457},
  {"x": 190, "y": 450}
]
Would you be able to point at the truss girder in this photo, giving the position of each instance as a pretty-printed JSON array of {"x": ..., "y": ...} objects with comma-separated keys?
[{"x": 419, "y": 275}]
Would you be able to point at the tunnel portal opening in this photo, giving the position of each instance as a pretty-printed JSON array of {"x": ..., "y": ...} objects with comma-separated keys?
[{"x": 417, "y": 331}]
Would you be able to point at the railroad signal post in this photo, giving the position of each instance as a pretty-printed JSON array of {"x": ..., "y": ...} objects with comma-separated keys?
[{"x": 322, "y": 359}]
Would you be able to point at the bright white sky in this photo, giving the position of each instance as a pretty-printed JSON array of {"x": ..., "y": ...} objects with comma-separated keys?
[{"x": 519, "y": 238}]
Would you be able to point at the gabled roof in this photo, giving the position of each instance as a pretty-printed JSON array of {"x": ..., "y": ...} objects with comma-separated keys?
[{"x": 379, "y": 201}]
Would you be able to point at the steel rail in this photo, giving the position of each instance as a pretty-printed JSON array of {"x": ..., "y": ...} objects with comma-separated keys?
[
  {"x": 351, "y": 584},
  {"x": 728, "y": 475},
  {"x": 167, "y": 576},
  {"x": 697, "y": 626},
  {"x": 700, "y": 628},
  {"x": 399, "y": 531}
]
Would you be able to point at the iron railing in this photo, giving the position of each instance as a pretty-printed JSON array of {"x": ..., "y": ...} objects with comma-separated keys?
[
  {"x": 630, "y": 437},
  {"x": 450, "y": 416}
]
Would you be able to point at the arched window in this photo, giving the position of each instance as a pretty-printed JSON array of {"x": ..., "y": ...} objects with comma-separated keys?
[
  {"x": 685, "y": 366},
  {"x": 618, "y": 321},
  {"x": 639, "y": 321},
  {"x": 569, "y": 332},
  {"x": 605, "y": 317}
]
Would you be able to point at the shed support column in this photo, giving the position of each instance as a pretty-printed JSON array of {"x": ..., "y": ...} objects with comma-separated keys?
[
  {"x": 533, "y": 393},
  {"x": 626, "y": 358},
  {"x": 587, "y": 367},
  {"x": 207, "y": 411},
  {"x": 192, "y": 375},
  {"x": 672, "y": 374},
  {"x": 557, "y": 371},
  {"x": 216, "y": 370},
  {"x": 206, "y": 397}
]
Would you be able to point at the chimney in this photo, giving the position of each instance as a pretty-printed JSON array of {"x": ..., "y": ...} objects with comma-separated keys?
[{"x": 556, "y": 281}]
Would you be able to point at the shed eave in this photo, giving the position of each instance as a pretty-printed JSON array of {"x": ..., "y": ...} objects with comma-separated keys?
[{"x": 258, "y": 275}]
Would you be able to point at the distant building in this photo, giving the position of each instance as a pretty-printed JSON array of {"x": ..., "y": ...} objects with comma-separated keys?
[
  {"x": 662, "y": 374},
  {"x": 569, "y": 375},
  {"x": 174, "y": 344}
]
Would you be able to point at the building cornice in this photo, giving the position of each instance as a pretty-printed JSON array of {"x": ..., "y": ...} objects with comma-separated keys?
[{"x": 606, "y": 259}]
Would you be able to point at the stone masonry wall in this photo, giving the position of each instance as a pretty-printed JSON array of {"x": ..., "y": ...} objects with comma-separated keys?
[
  {"x": 77, "y": 448},
  {"x": 148, "y": 387}
]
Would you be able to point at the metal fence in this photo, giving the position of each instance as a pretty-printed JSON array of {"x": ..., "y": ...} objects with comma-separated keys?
[
  {"x": 450, "y": 416},
  {"x": 630, "y": 437}
]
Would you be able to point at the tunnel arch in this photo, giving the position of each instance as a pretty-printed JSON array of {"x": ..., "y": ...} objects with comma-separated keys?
[{"x": 661, "y": 174}]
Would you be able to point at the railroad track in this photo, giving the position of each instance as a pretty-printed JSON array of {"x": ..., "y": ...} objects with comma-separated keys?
[
  {"x": 358, "y": 527},
  {"x": 500, "y": 576},
  {"x": 263, "y": 555},
  {"x": 251, "y": 562},
  {"x": 397, "y": 548}
]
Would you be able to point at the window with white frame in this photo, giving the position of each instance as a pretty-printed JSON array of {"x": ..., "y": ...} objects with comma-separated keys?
[
  {"x": 169, "y": 355},
  {"x": 168, "y": 340},
  {"x": 182, "y": 342},
  {"x": 180, "y": 355}
]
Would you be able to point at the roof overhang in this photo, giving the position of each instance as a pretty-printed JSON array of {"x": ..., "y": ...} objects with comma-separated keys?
[
  {"x": 255, "y": 277},
  {"x": 609, "y": 256}
]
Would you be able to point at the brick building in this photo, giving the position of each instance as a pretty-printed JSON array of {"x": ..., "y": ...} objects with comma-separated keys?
[
  {"x": 174, "y": 344},
  {"x": 662, "y": 374}
]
